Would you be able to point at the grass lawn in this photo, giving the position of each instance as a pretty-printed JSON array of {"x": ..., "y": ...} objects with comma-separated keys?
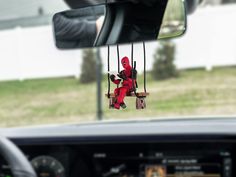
[{"x": 65, "y": 100}]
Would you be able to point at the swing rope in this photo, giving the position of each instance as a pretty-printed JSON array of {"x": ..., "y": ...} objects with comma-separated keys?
[
  {"x": 108, "y": 68},
  {"x": 134, "y": 67},
  {"x": 108, "y": 75},
  {"x": 132, "y": 55},
  {"x": 144, "y": 69},
  {"x": 118, "y": 58}
]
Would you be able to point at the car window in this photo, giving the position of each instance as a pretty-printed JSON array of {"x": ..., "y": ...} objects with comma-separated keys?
[{"x": 190, "y": 76}]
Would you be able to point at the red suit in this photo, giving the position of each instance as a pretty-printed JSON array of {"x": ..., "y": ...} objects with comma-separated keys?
[{"x": 127, "y": 84}]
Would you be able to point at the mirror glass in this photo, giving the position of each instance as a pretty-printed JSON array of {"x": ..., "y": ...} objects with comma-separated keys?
[
  {"x": 78, "y": 28},
  {"x": 174, "y": 21}
]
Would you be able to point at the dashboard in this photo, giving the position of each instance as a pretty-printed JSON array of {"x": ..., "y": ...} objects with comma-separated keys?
[{"x": 149, "y": 155}]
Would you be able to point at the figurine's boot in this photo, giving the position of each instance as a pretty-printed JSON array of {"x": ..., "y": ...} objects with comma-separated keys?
[{"x": 123, "y": 105}]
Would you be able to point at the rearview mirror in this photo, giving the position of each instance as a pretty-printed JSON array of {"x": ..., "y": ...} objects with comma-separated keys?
[{"x": 119, "y": 23}]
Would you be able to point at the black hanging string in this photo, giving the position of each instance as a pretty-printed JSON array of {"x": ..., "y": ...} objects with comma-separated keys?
[
  {"x": 133, "y": 67},
  {"x": 144, "y": 69},
  {"x": 108, "y": 74},
  {"x": 108, "y": 65},
  {"x": 132, "y": 55},
  {"x": 118, "y": 58}
]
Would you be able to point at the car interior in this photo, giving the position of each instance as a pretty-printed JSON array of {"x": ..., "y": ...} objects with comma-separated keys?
[{"x": 183, "y": 147}]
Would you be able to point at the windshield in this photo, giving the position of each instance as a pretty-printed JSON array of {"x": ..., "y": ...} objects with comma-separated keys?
[{"x": 190, "y": 76}]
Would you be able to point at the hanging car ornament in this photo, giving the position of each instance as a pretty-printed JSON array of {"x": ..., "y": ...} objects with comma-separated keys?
[{"x": 127, "y": 78}]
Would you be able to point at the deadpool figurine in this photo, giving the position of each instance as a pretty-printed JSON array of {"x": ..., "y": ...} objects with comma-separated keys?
[{"x": 128, "y": 78}]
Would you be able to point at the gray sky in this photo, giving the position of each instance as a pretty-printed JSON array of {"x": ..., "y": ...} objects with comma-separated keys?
[{"x": 12, "y": 9}]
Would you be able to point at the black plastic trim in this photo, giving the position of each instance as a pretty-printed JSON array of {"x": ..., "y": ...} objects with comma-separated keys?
[{"x": 125, "y": 139}]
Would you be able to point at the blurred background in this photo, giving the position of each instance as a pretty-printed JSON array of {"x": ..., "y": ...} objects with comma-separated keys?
[{"x": 194, "y": 75}]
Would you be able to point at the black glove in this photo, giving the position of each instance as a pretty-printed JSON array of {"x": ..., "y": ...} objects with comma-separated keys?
[
  {"x": 112, "y": 77},
  {"x": 122, "y": 75}
]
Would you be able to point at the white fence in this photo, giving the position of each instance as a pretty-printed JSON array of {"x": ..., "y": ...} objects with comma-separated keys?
[
  {"x": 30, "y": 53},
  {"x": 210, "y": 39},
  {"x": 27, "y": 53}
]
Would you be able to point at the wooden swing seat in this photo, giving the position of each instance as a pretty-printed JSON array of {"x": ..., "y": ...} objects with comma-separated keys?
[{"x": 140, "y": 94}]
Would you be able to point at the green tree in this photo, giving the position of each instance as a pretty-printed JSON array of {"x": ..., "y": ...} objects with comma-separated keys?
[
  {"x": 88, "y": 68},
  {"x": 164, "y": 67}
]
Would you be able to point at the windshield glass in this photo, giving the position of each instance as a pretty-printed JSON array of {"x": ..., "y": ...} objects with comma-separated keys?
[{"x": 190, "y": 76}]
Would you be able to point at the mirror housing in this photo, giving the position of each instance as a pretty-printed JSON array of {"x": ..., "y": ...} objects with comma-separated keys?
[
  {"x": 75, "y": 4},
  {"x": 119, "y": 23}
]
